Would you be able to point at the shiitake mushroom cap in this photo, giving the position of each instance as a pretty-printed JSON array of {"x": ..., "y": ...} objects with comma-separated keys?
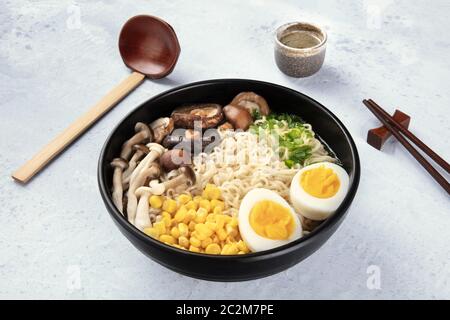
[
  {"x": 239, "y": 117},
  {"x": 208, "y": 115},
  {"x": 252, "y": 102}
]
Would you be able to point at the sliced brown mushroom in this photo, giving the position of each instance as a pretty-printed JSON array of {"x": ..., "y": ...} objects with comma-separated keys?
[
  {"x": 207, "y": 114},
  {"x": 143, "y": 134},
  {"x": 119, "y": 166},
  {"x": 252, "y": 102},
  {"x": 173, "y": 159},
  {"x": 161, "y": 128},
  {"x": 179, "y": 142},
  {"x": 239, "y": 117},
  {"x": 186, "y": 177},
  {"x": 140, "y": 151}
]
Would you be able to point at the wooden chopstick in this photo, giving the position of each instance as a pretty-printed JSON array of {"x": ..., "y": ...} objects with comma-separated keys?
[
  {"x": 427, "y": 166},
  {"x": 433, "y": 155}
]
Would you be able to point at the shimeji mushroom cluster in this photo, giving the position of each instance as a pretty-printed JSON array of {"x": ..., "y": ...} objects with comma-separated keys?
[
  {"x": 137, "y": 173},
  {"x": 150, "y": 165}
]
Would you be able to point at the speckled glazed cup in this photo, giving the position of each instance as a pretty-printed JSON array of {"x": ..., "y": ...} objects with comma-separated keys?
[{"x": 303, "y": 58}]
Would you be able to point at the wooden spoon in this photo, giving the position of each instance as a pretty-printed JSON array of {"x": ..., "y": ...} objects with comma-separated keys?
[{"x": 149, "y": 47}]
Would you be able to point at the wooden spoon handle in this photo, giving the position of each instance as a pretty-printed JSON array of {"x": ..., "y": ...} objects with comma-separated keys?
[{"x": 60, "y": 142}]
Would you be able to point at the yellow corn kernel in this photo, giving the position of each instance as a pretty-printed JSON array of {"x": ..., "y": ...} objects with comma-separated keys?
[
  {"x": 211, "y": 225},
  {"x": 169, "y": 205},
  {"x": 197, "y": 199},
  {"x": 215, "y": 238},
  {"x": 184, "y": 198},
  {"x": 156, "y": 201},
  {"x": 203, "y": 231},
  {"x": 160, "y": 226},
  {"x": 178, "y": 246},
  {"x": 242, "y": 246},
  {"x": 217, "y": 204},
  {"x": 213, "y": 248},
  {"x": 222, "y": 234},
  {"x": 231, "y": 231},
  {"x": 233, "y": 222},
  {"x": 230, "y": 249},
  {"x": 217, "y": 210},
  {"x": 201, "y": 216},
  {"x": 152, "y": 232},
  {"x": 220, "y": 220},
  {"x": 166, "y": 238},
  {"x": 191, "y": 226},
  {"x": 183, "y": 241},
  {"x": 205, "y": 204},
  {"x": 167, "y": 222},
  {"x": 166, "y": 218},
  {"x": 241, "y": 252},
  {"x": 206, "y": 242},
  {"x": 211, "y": 217},
  {"x": 191, "y": 205},
  {"x": 214, "y": 194},
  {"x": 194, "y": 249},
  {"x": 195, "y": 242},
  {"x": 230, "y": 239},
  {"x": 225, "y": 249},
  {"x": 175, "y": 232},
  {"x": 181, "y": 214},
  {"x": 233, "y": 249},
  {"x": 190, "y": 215},
  {"x": 165, "y": 214},
  {"x": 211, "y": 192},
  {"x": 227, "y": 218},
  {"x": 184, "y": 230}
]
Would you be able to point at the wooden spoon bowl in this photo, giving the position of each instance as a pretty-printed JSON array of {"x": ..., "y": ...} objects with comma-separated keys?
[{"x": 149, "y": 46}]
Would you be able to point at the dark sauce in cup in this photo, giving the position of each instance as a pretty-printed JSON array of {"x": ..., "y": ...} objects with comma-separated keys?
[{"x": 300, "y": 39}]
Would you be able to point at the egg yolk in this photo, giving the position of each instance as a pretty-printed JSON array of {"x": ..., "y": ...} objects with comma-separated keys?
[
  {"x": 320, "y": 182},
  {"x": 271, "y": 220}
]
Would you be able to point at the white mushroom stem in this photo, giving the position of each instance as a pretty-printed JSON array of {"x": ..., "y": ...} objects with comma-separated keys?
[
  {"x": 187, "y": 177},
  {"x": 152, "y": 172},
  {"x": 142, "y": 220},
  {"x": 156, "y": 150},
  {"x": 117, "y": 193},
  {"x": 141, "y": 150}
]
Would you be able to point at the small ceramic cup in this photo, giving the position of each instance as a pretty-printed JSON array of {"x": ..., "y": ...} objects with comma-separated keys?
[{"x": 300, "y": 49}]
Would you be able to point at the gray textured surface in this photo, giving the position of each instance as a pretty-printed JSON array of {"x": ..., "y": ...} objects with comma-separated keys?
[{"x": 52, "y": 69}]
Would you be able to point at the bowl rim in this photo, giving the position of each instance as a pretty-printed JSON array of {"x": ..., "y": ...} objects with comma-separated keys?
[{"x": 292, "y": 246}]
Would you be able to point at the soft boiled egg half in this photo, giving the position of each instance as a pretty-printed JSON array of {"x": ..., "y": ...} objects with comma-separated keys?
[
  {"x": 318, "y": 190},
  {"x": 267, "y": 221}
]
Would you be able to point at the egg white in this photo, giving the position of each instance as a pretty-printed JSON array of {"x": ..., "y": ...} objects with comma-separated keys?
[
  {"x": 318, "y": 208},
  {"x": 254, "y": 241}
]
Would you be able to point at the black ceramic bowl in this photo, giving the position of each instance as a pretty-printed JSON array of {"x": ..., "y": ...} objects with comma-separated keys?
[{"x": 239, "y": 267}]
